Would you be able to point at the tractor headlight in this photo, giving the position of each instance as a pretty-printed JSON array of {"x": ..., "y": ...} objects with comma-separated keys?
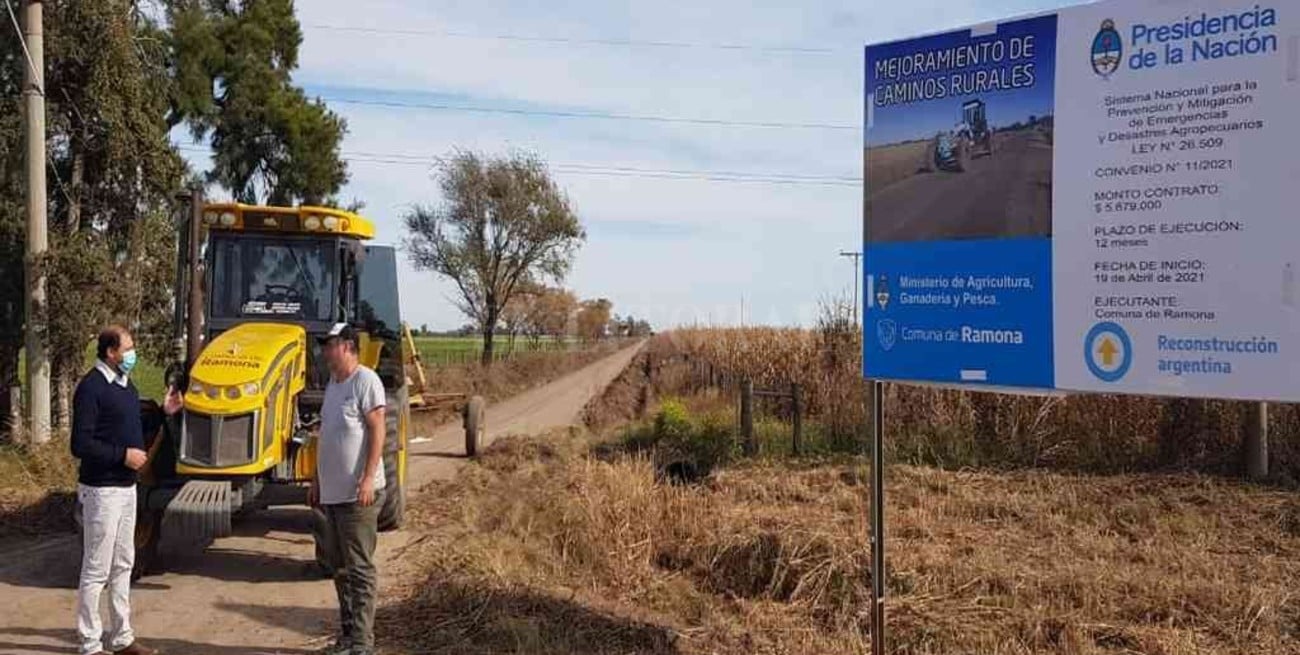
[
  {"x": 228, "y": 219},
  {"x": 196, "y": 387},
  {"x": 251, "y": 389},
  {"x": 212, "y": 392},
  {"x": 312, "y": 223},
  {"x": 331, "y": 222},
  {"x": 210, "y": 218},
  {"x": 232, "y": 393}
]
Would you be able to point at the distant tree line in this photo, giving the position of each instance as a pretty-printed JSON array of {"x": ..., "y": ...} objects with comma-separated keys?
[{"x": 540, "y": 312}]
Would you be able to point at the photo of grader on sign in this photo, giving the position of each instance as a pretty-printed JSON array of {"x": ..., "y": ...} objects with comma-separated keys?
[
  {"x": 268, "y": 281},
  {"x": 953, "y": 151}
]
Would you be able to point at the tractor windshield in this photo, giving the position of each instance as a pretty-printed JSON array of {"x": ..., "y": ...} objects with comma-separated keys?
[{"x": 273, "y": 278}]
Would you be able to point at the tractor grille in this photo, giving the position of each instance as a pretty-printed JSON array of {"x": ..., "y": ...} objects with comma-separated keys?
[{"x": 218, "y": 441}]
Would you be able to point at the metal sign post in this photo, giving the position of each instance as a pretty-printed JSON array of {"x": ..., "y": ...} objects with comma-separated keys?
[{"x": 877, "y": 519}]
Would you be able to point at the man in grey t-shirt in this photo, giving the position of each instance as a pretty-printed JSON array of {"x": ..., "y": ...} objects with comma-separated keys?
[{"x": 349, "y": 484}]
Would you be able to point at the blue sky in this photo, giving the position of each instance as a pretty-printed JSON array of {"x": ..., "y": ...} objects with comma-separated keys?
[{"x": 673, "y": 250}]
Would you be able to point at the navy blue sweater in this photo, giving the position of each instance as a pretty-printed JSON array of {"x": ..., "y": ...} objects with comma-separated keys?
[{"x": 106, "y": 420}]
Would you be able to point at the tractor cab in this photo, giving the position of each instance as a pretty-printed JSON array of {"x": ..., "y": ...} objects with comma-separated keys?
[
  {"x": 973, "y": 115},
  {"x": 304, "y": 266}
]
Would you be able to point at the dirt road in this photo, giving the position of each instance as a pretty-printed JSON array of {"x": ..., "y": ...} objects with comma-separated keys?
[
  {"x": 256, "y": 592},
  {"x": 1005, "y": 195}
]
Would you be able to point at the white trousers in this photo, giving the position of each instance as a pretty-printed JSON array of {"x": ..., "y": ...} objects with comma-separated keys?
[{"x": 108, "y": 553}]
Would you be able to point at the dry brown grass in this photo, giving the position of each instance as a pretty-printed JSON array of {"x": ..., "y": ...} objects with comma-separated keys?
[
  {"x": 36, "y": 489},
  {"x": 543, "y": 549},
  {"x": 889, "y": 164}
]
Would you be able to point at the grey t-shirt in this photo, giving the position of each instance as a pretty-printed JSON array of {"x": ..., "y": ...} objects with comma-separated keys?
[{"x": 341, "y": 457}]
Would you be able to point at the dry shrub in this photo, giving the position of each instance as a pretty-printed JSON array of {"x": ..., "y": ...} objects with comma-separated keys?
[
  {"x": 1035, "y": 563},
  {"x": 36, "y": 489},
  {"x": 542, "y": 549},
  {"x": 605, "y": 537}
]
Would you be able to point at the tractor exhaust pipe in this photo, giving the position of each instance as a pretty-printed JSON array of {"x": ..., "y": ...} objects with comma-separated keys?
[
  {"x": 187, "y": 293},
  {"x": 194, "y": 242}
]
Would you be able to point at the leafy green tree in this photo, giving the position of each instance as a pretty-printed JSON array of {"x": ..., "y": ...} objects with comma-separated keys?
[
  {"x": 12, "y": 230},
  {"x": 112, "y": 173},
  {"x": 231, "y": 65},
  {"x": 503, "y": 223}
]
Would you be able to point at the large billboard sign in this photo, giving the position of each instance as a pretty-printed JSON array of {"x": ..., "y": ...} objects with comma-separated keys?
[{"x": 1105, "y": 198}]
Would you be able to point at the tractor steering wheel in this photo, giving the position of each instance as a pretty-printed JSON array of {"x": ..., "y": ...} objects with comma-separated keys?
[{"x": 283, "y": 290}]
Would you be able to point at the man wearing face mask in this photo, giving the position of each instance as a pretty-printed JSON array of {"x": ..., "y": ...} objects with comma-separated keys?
[{"x": 108, "y": 437}]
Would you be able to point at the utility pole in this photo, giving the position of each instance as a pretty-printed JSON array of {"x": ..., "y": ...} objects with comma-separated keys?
[
  {"x": 38, "y": 361},
  {"x": 857, "y": 256}
]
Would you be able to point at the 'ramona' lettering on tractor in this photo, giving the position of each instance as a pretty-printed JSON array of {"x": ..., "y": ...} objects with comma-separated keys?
[{"x": 227, "y": 361}]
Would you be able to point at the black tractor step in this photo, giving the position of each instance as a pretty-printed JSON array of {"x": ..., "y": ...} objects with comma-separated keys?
[{"x": 201, "y": 511}]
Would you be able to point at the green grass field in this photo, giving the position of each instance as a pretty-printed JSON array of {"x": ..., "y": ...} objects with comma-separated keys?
[
  {"x": 434, "y": 351},
  {"x": 147, "y": 376},
  {"x": 452, "y": 350}
]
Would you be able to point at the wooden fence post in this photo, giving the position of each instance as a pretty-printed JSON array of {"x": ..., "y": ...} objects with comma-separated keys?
[
  {"x": 796, "y": 402},
  {"x": 1256, "y": 441},
  {"x": 747, "y": 417}
]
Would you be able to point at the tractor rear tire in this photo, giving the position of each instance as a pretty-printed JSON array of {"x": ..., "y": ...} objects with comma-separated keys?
[
  {"x": 394, "y": 509},
  {"x": 475, "y": 425},
  {"x": 324, "y": 538}
]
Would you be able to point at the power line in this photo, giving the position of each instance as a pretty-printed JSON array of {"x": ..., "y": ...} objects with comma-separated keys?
[
  {"x": 591, "y": 115},
  {"x": 630, "y": 169},
  {"x": 605, "y": 170},
  {"x": 696, "y": 45}
]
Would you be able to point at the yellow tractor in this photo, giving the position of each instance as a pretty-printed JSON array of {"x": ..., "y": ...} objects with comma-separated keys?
[{"x": 255, "y": 286}]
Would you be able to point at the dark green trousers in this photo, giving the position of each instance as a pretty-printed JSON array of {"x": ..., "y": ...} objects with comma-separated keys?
[{"x": 355, "y": 530}]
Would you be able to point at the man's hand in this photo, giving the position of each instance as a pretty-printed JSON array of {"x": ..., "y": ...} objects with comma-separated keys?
[
  {"x": 366, "y": 491},
  {"x": 174, "y": 402},
  {"x": 313, "y": 494},
  {"x": 135, "y": 458}
]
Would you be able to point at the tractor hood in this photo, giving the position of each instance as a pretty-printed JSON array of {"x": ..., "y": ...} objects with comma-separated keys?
[{"x": 237, "y": 369}]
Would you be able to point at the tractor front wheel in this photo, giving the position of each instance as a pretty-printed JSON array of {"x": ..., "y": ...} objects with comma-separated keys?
[{"x": 394, "y": 508}]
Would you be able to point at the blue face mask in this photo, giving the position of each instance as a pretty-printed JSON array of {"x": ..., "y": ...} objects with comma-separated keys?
[{"x": 128, "y": 361}]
